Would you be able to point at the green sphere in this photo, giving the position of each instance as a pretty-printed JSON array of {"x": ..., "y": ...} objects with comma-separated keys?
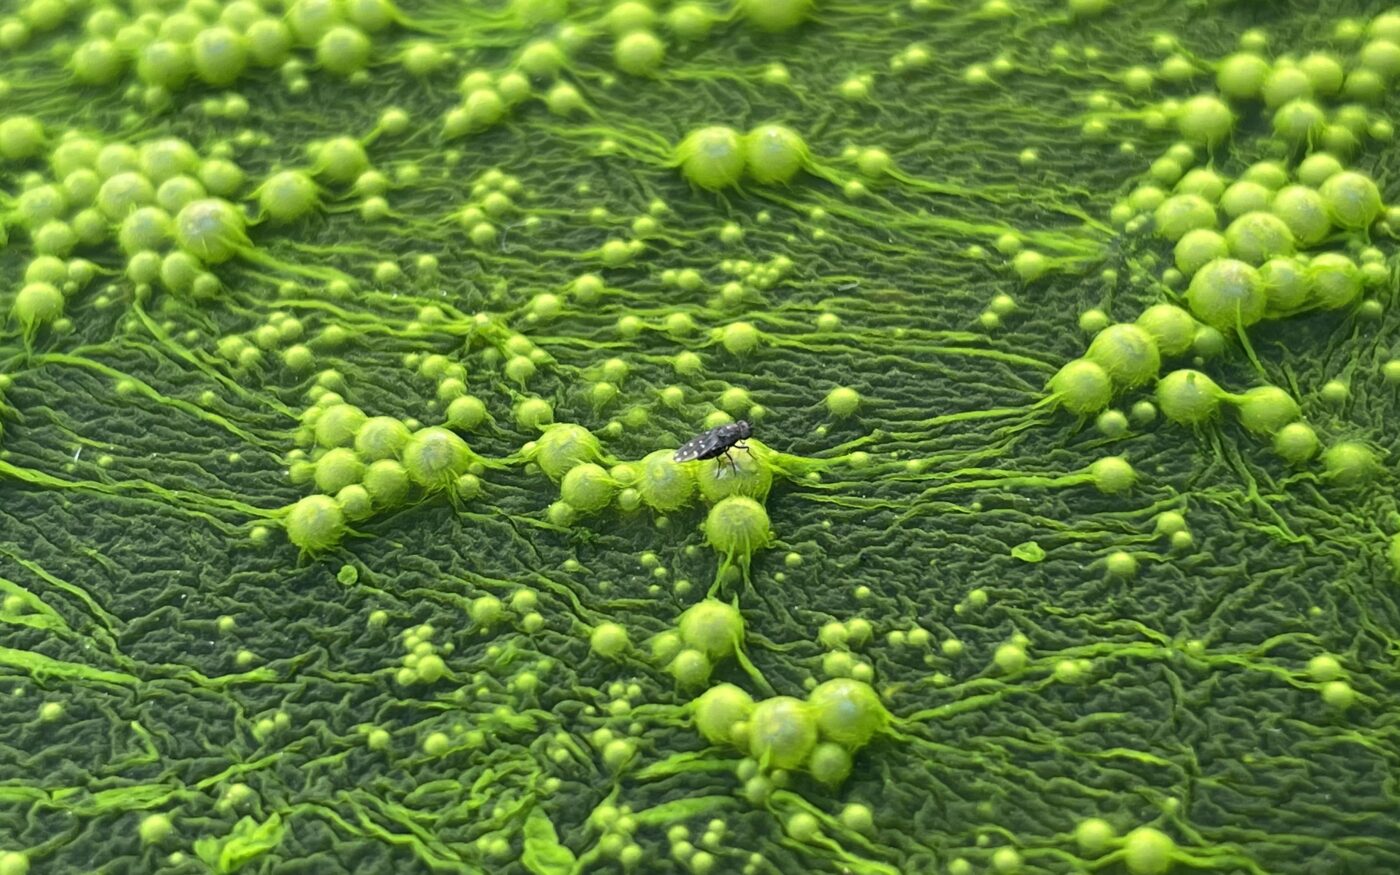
[
  {"x": 220, "y": 55},
  {"x": 774, "y": 154},
  {"x": 1188, "y": 397},
  {"x": 588, "y": 488},
  {"x": 337, "y": 469},
  {"x": 1266, "y": 409},
  {"x": 713, "y": 627},
  {"x": 1127, "y": 353},
  {"x": 1296, "y": 443},
  {"x": 830, "y": 763},
  {"x": 640, "y": 53},
  {"x": 1197, "y": 248},
  {"x": 782, "y": 732},
  {"x": 21, "y": 137},
  {"x": 1241, "y": 76},
  {"x": 154, "y": 829},
  {"x": 1286, "y": 284},
  {"x": 1147, "y": 851},
  {"x": 1205, "y": 119},
  {"x": 1299, "y": 121},
  {"x": 212, "y": 230},
  {"x": 1335, "y": 280},
  {"x": 37, "y": 304},
  {"x": 1227, "y": 293},
  {"x": 847, "y": 711},
  {"x": 315, "y": 524},
  {"x": 1351, "y": 199},
  {"x": 737, "y": 526},
  {"x": 341, "y": 159},
  {"x": 435, "y": 457},
  {"x": 343, "y": 50},
  {"x": 1244, "y": 196},
  {"x": 1181, "y": 213},
  {"x": 609, "y": 640},
  {"x": 1350, "y": 463},
  {"x": 563, "y": 446},
  {"x": 466, "y": 413},
  {"x": 289, "y": 195},
  {"x": 1082, "y": 387},
  {"x": 712, "y": 158},
  {"x": 381, "y": 437},
  {"x": 718, "y": 709},
  {"x": 842, "y": 401},
  {"x": 691, "y": 668},
  {"x": 1093, "y": 835},
  {"x": 1304, "y": 212},
  {"x": 1257, "y": 237},
  {"x": 664, "y": 484},
  {"x": 1169, "y": 326}
]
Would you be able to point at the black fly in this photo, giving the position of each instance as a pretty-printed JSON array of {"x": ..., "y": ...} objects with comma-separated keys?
[{"x": 715, "y": 443}]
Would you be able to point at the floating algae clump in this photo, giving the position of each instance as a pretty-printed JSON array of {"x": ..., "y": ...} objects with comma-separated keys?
[{"x": 737, "y": 527}]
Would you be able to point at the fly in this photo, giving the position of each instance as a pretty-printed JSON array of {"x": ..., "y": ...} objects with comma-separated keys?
[{"x": 716, "y": 443}]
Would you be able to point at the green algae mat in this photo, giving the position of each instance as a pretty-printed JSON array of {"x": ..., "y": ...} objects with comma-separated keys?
[{"x": 347, "y": 349}]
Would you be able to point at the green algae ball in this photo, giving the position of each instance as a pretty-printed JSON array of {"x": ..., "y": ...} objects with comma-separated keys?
[
  {"x": 587, "y": 488},
  {"x": 712, "y": 157},
  {"x": 337, "y": 469},
  {"x": 355, "y": 501},
  {"x": 563, "y": 446},
  {"x": 1334, "y": 279},
  {"x": 1197, "y": 248},
  {"x": 1181, "y": 213},
  {"x": 534, "y": 413},
  {"x": 847, "y": 711},
  {"x": 640, "y": 53},
  {"x": 1226, "y": 293},
  {"x": 145, "y": 228},
  {"x": 343, "y": 50},
  {"x": 381, "y": 437},
  {"x": 663, "y": 483},
  {"x": 1169, "y": 326},
  {"x": 1093, "y": 835},
  {"x": 220, "y": 55},
  {"x": 13, "y": 863},
  {"x": 842, "y": 401},
  {"x": 1266, "y": 409},
  {"x": 435, "y": 457},
  {"x": 1205, "y": 119},
  {"x": 97, "y": 62},
  {"x": 466, "y": 412},
  {"x": 1241, "y": 75},
  {"x": 781, "y": 732},
  {"x": 830, "y": 763},
  {"x": 691, "y": 668},
  {"x": 1299, "y": 121},
  {"x": 288, "y": 195},
  {"x": 737, "y": 526},
  {"x": 1324, "y": 667},
  {"x": 154, "y": 829},
  {"x": 21, "y": 137},
  {"x": 211, "y": 229},
  {"x": 739, "y": 338},
  {"x": 1112, "y": 475},
  {"x": 1304, "y": 212},
  {"x": 776, "y": 15},
  {"x": 1296, "y": 443},
  {"x": 1127, "y": 353},
  {"x": 773, "y": 154},
  {"x": 1082, "y": 387},
  {"x": 1286, "y": 284},
  {"x": 1351, "y": 199},
  {"x": 712, "y": 627},
  {"x": 315, "y": 523},
  {"x": 341, "y": 159},
  {"x": 1188, "y": 397},
  {"x": 1148, "y": 851},
  {"x": 1350, "y": 463},
  {"x": 1258, "y": 236},
  {"x": 1338, "y": 694},
  {"x": 609, "y": 640},
  {"x": 37, "y": 304},
  {"x": 1244, "y": 196}
]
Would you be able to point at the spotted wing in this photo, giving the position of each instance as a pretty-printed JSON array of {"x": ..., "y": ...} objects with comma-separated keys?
[{"x": 701, "y": 447}]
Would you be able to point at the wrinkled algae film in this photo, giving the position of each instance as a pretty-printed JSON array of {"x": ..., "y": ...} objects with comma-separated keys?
[{"x": 1041, "y": 361}]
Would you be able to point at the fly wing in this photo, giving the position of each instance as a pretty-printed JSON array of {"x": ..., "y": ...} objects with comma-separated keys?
[{"x": 690, "y": 450}]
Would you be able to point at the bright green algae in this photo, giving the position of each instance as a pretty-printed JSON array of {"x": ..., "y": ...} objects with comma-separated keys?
[{"x": 348, "y": 345}]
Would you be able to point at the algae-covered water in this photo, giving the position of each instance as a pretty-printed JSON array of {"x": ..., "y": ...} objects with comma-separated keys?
[{"x": 348, "y": 346}]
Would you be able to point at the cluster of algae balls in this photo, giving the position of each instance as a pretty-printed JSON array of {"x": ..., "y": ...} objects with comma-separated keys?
[{"x": 1283, "y": 237}]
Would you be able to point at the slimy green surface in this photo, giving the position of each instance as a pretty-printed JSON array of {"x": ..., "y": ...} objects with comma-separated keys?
[{"x": 347, "y": 346}]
